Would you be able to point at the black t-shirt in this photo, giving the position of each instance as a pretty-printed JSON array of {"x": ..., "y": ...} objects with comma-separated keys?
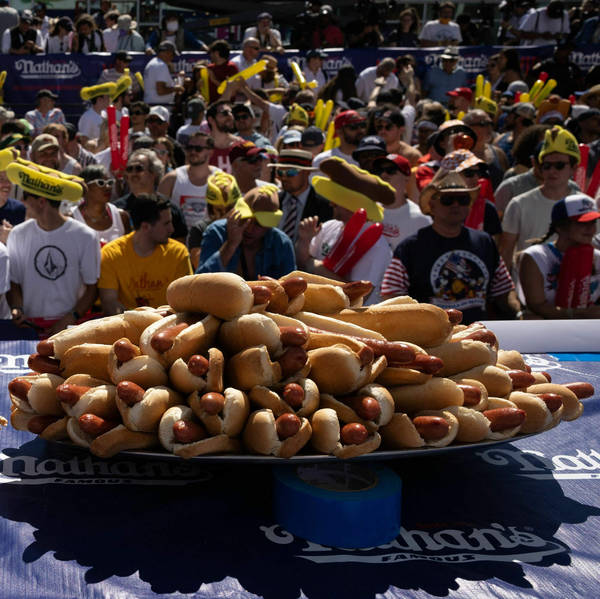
[
  {"x": 13, "y": 211},
  {"x": 450, "y": 272}
]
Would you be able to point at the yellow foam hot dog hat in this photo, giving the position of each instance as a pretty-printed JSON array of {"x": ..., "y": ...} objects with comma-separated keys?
[
  {"x": 93, "y": 91},
  {"x": 559, "y": 140},
  {"x": 487, "y": 105},
  {"x": 264, "y": 218},
  {"x": 43, "y": 184},
  {"x": 10, "y": 155},
  {"x": 122, "y": 84},
  {"x": 222, "y": 189}
]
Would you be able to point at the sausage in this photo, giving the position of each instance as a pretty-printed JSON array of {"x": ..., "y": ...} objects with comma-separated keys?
[
  {"x": 549, "y": 379},
  {"x": 394, "y": 351},
  {"x": 502, "y": 419},
  {"x": 483, "y": 335},
  {"x": 198, "y": 365},
  {"x": 37, "y": 424},
  {"x": 431, "y": 428},
  {"x": 294, "y": 286},
  {"x": 293, "y": 395},
  {"x": 582, "y": 390},
  {"x": 45, "y": 347},
  {"x": 357, "y": 289},
  {"x": 520, "y": 378},
  {"x": 19, "y": 387},
  {"x": 71, "y": 394},
  {"x": 212, "y": 403},
  {"x": 366, "y": 407},
  {"x": 293, "y": 336},
  {"x": 553, "y": 401},
  {"x": 125, "y": 350},
  {"x": 455, "y": 317},
  {"x": 423, "y": 363},
  {"x": 353, "y": 434},
  {"x": 528, "y": 368},
  {"x": 262, "y": 294},
  {"x": 292, "y": 360},
  {"x": 187, "y": 431},
  {"x": 163, "y": 340},
  {"x": 130, "y": 393},
  {"x": 45, "y": 364},
  {"x": 365, "y": 355},
  {"x": 94, "y": 425},
  {"x": 287, "y": 425},
  {"x": 472, "y": 395}
]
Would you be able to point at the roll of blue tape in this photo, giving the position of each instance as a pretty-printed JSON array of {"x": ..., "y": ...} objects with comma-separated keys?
[{"x": 339, "y": 505}]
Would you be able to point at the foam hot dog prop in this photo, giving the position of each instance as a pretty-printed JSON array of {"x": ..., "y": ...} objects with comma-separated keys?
[
  {"x": 36, "y": 394},
  {"x": 38, "y": 183},
  {"x": 126, "y": 363},
  {"x": 347, "y": 441},
  {"x": 182, "y": 434},
  {"x": 221, "y": 413},
  {"x": 298, "y": 396},
  {"x": 431, "y": 428},
  {"x": 180, "y": 335},
  {"x": 94, "y": 91},
  {"x": 81, "y": 394},
  {"x": 199, "y": 373},
  {"x": 141, "y": 409}
]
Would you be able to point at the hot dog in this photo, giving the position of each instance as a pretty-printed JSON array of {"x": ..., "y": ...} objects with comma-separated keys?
[
  {"x": 81, "y": 394},
  {"x": 476, "y": 331},
  {"x": 198, "y": 373},
  {"x": 48, "y": 427},
  {"x": 458, "y": 356},
  {"x": 349, "y": 441},
  {"x": 474, "y": 392},
  {"x": 539, "y": 413},
  {"x": 473, "y": 426},
  {"x": 572, "y": 407},
  {"x": 505, "y": 418},
  {"x": 126, "y": 363},
  {"x": 296, "y": 396},
  {"x": 87, "y": 358},
  {"x": 36, "y": 394},
  {"x": 435, "y": 394},
  {"x": 329, "y": 324},
  {"x": 496, "y": 380},
  {"x": 221, "y": 413}
]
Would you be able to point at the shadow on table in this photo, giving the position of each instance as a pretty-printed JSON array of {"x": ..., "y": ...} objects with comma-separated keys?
[{"x": 463, "y": 518}]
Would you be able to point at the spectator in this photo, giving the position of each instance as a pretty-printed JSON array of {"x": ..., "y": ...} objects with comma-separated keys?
[
  {"x": 298, "y": 199},
  {"x": 510, "y": 68},
  {"x": 460, "y": 100},
  {"x": 96, "y": 211},
  {"x": 449, "y": 265},
  {"x": 442, "y": 31},
  {"x": 305, "y": 25},
  {"x": 519, "y": 117},
  {"x": 469, "y": 32},
  {"x": 220, "y": 67},
  {"x": 66, "y": 164},
  {"x": 138, "y": 113},
  {"x": 567, "y": 74},
  {"x": 110, "y": 34},
  {"x": 586, "y": 126},
  {"x": 248, "y": 57},
  {"x": 351, "y": 127},
  {"x": 90, "y": 121},
  {"x": 122, "y": 62},
  {"x": 100, "y": 16},
  {"x": 45, "y": 111},
  {"x": 185, "y": 186},
  {"x": 247, "y": 164},
  {"x": 389, "y": 125},
  {"x": 342, "y": 87},
  {"x": 247, "y": 241},
  {"x": 573, "y": 221},
  {"x": 159, "y": 86},
  {"x": 407, "y": 35},
  {"x": 129, "y": 39},
  {"x": 527, "y": 216},
  {"x": 172, "y": 30},
  {"x": 272, "y": 80},
  {"x": 243, "y": 116},
  {"x": 136, "y": 269},
  {"x": 402, "y": 218},
  {"x": 12, "y": 212},
  {"x": 544, "y": 25},
  {"x": 439, "y": 80},
  {"x": 22, "y": 39},
  {"x": 9, "y": 16},
  {"x": 220, "y": 120},
  {"x": 312, "y": 140},
  {"x": 365, "y": 31},
  {"x": 380, "y": 77},
  {"x": 157, "y": 122},
  {"x": 61, "y": 37},
  {"x": 313, "y": 69},
  {"x": 512, "y": 13},
  {"x": 269, "y": 39},
  {"x": 327, "y": 34},
  {"x": 165, "y": 150},
  {"x": 87, "y": 38},
  {"x": 74, "y": 148},
  {"x": 195, "y": 111},
  {"x": 54, "y": 266}
]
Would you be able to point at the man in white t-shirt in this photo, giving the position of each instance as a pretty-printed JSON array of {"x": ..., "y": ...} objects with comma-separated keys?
[
  {"x": 381, "y": 76},
  {"x": 441, "y": 31},
  {"x": 248, "y": 57},
  {"x": 313, "y": 69},
  {"x": 89, "y": 123},
  {"x": 546, "y": 25},
  {"x": 159, "y": 87}
]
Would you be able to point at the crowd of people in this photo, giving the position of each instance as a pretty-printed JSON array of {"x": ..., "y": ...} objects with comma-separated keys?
[{"x": 487, "y": 200}]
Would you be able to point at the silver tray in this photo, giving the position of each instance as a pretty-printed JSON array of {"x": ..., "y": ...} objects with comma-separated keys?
[{"x": 307, "y": 458}]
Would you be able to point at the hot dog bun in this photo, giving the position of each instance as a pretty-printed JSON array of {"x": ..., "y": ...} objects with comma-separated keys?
[
  {"x": 275, "y": 400},
  {"x": 435, "y": 394},
  {"x": 473, "y": 425},
  {"x": 327, "y": 323},
  {"x": 496, "y": 381},
  {"x": 143, "y": 370},
  {"x": 36, "y": 394},
  {"x": 251, "y": 367},
  {"x": 185, "y": 381},
  {"x": 250, "y": 330},
  {"x": 230, "y": 419},
  {"x": 145, "y": 413},
  {"x": 324, "y": 299},
  {"x": 459, "y": 356},
  {"x": 573, "y": 408},
  {"x": 87, "y": 358}
]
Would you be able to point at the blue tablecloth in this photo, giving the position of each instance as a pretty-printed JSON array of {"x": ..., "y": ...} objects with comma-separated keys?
[{"x": 514, "y": 520}]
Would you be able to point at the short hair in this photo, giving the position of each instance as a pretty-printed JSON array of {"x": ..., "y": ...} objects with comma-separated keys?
[
  {"x": 92, "y": 172},
  {"x": 203, "y": 134},
  {"x": 211, "y": 111},
  {"x": 51, "y": 127},
  {"x": 71, "y": 131},
  {"x": 447, "y": 4},
  {"x": 139, "y": 105},
  {"x": 155, "y": 166},
  {"x": 221, "y": 47},
  {"x": 85, "y": 19},
  {"x": 146, "y": 208},
  {"x": 54, "y": 204},
  {"x": 390, "y": 113}
]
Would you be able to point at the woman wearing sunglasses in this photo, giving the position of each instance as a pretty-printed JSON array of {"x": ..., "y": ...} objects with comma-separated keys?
[
  {"x": 163, "y": 147},
  {"x": 96, "y": 210}
]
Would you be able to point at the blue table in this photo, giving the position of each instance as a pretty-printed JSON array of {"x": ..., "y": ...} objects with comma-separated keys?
[{"x": 514, "y": 520}]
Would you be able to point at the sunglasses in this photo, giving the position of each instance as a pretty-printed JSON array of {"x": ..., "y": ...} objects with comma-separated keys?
[
  {"x": 482, "y": 124},
  {"x": 160, "y": 152},
  {"x": 448, "y": 200},
  {"x": 195, "y": 148},
  {"x": 241, "y": 117},
  {"x": 471, "y": 172},
  {"x": 136, "y": 113},
  {"x": 387, "y": 127},
  {"x": 388, "y": 170},
  {"x": 287, "y": 172},
  {"x": 102, "y": 182},
  {"x": 559, "y": 166},
  {"x": 135, "y": 168},
  {"x": 356, "y": 126}
]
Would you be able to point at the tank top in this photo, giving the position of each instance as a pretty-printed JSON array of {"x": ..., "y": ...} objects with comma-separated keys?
[
  {"x": 115, "y": 230},
  {"x": 190, "y": 198}
]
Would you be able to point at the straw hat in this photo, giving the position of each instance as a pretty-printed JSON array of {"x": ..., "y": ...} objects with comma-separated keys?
[{"x": 451, "y": 183}]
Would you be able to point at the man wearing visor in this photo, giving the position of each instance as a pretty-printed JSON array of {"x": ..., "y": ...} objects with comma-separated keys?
[{"x": 248, "y": 242}]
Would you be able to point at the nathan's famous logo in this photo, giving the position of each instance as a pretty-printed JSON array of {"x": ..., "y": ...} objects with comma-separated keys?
[
  {"x": 31, "y": 69},
  {"x": 453, "y": 545},
  {"x": 38, "y": 184}
]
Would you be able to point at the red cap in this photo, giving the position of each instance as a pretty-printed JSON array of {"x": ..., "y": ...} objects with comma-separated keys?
[
  {"x": 244, "y": 149},
  {"x": 463, "y": 92},
  {"x": 402, "y": 163},
  {"x": 346, "y": 118}
]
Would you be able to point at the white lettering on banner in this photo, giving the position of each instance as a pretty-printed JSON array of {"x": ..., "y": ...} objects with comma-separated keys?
[
  {"x": 471, "y": 64},
  {"x": 535, "y": 464},
  {"x": 30, "y": 470},
  {"x": 13, "y": 364},
  {"x": 584, "y": 60},
  {"x": 47, "y": 69},
  {"x": 504, "y": 543}
]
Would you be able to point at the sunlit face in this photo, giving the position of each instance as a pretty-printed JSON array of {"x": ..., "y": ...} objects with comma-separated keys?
[{"x": 579, "y": 233}]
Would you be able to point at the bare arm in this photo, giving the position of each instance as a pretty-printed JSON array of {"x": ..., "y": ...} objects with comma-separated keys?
[
  {"x": 508, "y": 242},
  {"x": 14, "y": 296},
  {"x": 83, "y": 304},
  {"x": 167, "y": 183},
  {"x": 109, "y": 298}
]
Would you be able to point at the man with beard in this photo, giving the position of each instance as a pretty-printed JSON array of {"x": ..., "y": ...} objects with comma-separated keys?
[
  {"x": 222, "y": 125},
  {"x": 186, "y": 185},
  {"x": 389, "y": 125},
  {"x": 136, "y": 269}
]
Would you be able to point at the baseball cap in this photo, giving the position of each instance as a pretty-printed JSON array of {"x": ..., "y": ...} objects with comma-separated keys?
[
  {"x": 577, "y": 207},
  {"x": 402, "y": 163},
  {"x": 347, "y": 117},
  {"x": 161, "y": 112},
  {"x": 122, "y": 55},
  {"x": 168, "y": 45},
  {"x": 316, "y": 53},
  {"x": 241, "y": 108},
  {"x": 264, "y": 15},
  {"x": 312, "y": 136},
  {"x": 450, "y": 53},
  {"x": 526, "y": 109},
  {"x": 463, "y": 92},
  {"x": 46, "y": 93},
  {"x": 244, "y": 149},
  {"x": 370, "y": 143},
  {"x": 291, "y": 137},
  {"x": 43, "y": 142}
]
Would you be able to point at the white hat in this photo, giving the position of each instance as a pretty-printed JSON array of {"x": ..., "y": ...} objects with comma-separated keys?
[{"x": 161, "y": 112}]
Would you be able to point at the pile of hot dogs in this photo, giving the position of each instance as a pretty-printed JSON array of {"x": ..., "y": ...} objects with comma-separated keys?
[{"x": 275, "y": 367}]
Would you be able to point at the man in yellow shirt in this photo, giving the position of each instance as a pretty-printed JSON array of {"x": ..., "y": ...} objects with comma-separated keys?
[{"x": 136, "y": 269}]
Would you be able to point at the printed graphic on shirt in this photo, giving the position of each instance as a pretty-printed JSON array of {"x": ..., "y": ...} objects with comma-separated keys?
[
  {"x": 459, "y": 279},
  {"x": 50, "y": 262},
  {"x": 193, "y": 208}
]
